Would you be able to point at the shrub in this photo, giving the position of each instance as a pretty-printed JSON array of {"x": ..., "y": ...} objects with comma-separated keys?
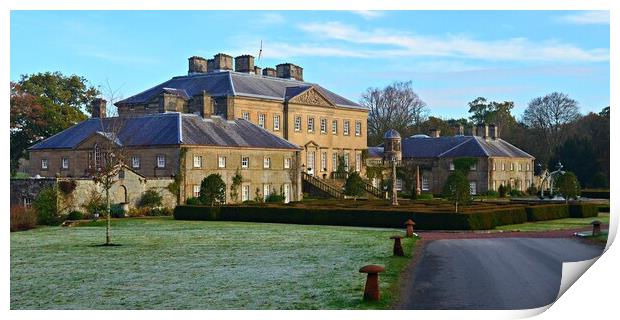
[
  {"x": 138, "y": 212},
  {"x": 568, "y": 185},
  {"x": 150, "y": 199},
  {"x": 354, "y": 186},
  {"x": 212, "y": 189},
  {"x": 532, "y": 190},
  {"x": 502, "y": 190},
  {"x": 67, "y": 186},
  {"x": 424, "y": 196},
  {"x": 547, "y": 212},
  {"x": 516, "y": 193},
  {"x": 192, "y": 201},
  {"x": 249, "y": 202},
  {"x": 75, "y": 215},
  {"x": 22, "y": 218},
  {"x": 163, "y": 211},
  {"x": 275, "y": 198},
  {"x": 456, "y": 189},
  {"x": 117, "y": 211},
  {"x": 46, "y": 206},
  {"x": 491, "y": 194},
  {"x": 583, "y": 210},
  {"x": 94, "y": 204}
]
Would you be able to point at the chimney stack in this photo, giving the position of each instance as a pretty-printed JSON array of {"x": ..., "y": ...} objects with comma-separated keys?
[
  {"x": 258, "y": 70},
  {"x": 98, "y": 108},
  {"x": 197, "y": 65},
  {"x": 483, "y": 130},
  {"x": 210, "y": 65},
  {"x": 244, "y": 63},
  {"x": 290, "y": 71},
  {"x": 494, "y": 131},
  {"x": 222, "y": 62},
  {"x": 435, "y": 133},
  {"x": 269, "y": 72},
  {"x": 459, "y": 130}
]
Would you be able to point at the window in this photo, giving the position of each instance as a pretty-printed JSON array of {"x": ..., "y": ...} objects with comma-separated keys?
[
  {"x": 527, "y": 167},
  {"x": 335, "y": 126},
  {"x": 451, "y": 166},
  {"x": 245, "y": 162},
  {"x": 196, "y": 190},
  {"x": 358, "y": 162},
  {"x": 297, "y": 123},
  {"x": 512, "y": 166},
  {"x": 494, "y": 185},
  {"x": 472, "y": 167},
  {"x": 135, "y": 162},
  {"x": 323, "y": 125},
  {"x": 311, "y": 162},
  {"x": 358, "y": 128},
  {"x": 334, "y": 161},
  {"x": 44, "y": 163},
  {"x": 346, "y": 161},
  {"x": 520, "y": 167},
  {"x": 221, "y": 162},
  {"x": 287, "y": 193},
  {"x": 345, "y": 129},
  {"x": 65, "y": 163},
  {"x": 97, "y": 157},
  {"x": 27, "y": 202},
  {"x": 287, "y": 163},
  {"x": 261, "y": 120},
  {"x": 399, "y": 184},
  {"x": 266, "y": 191},
  {"x": 493, "y": 165},
  {"x": 267, "y": 162},
  {"x": 310, "y": 124},
  {"x": 246, "y": 115},
  {"x": 503, "y": 166},
  {"x": 276, "y": 122},
  {"x": 161, "y": 161},
  {"x": 197, "y": 161},
  {"x": 245, "y": 192},
  {"x": 472, "y": 187},
  {"x": 323, "y": 161},
  {"x": 425, "y": 183}
]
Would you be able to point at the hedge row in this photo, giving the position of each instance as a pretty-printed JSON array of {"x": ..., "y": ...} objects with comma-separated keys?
[
  {"x": 547, "y": 212},
  {"x": 481, "y": 220},
  {"x": 583, "y": 210},
  {"x": 595, "y": 194}
]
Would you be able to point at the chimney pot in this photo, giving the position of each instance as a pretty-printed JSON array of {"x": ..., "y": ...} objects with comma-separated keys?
[
  {"x": 290, "y": 71},
  {"x": 197, "y": 65},
  {"x": 98, "y": 108},
  {"x": 494, "y": 131},
  {"x": 244, "y": 63},
  {"x": 459, "y": 130},
  {"x": 258, "y": 70},
  {"x": 483, "y": 130},
  {"x": 435, "y": 133}
]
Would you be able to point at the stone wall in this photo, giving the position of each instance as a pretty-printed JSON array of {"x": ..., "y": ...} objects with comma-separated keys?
[{"x": 24, "y": 191}]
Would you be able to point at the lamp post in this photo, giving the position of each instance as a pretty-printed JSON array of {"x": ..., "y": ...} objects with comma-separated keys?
[{"x": 394, "y": 192}]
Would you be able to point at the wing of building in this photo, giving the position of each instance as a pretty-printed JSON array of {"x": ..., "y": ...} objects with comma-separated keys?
[{"x": 498, "y": 161}]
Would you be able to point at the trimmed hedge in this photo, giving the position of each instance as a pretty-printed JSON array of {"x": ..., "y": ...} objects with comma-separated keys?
[
  {"x": 547, "y": 212},
  {"x": 583, "y": 210},
  {"x": 595, "y": 194},
  {"x": 479, "y": 220}
]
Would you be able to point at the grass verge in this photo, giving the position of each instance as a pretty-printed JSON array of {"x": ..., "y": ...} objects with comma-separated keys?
[{"x": 559, "y": 224}]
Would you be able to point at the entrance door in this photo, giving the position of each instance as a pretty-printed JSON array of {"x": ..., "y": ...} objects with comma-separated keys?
[{"x": 310, "y": 166}]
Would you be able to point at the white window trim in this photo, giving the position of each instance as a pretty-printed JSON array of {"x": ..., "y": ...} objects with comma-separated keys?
[
  {"x": 196, "y": 191},
  {"x": 247, "y": 165},
  {"x": 334, "y": 126},
  {"x": 135, "y": 162},
  {"x": 346, "y": 127},
  {"x": 297, "y": 123},
  {"x": 425, "y": 183},
  {"x": 261, "y": 120},
  {"x": 276, "y": 122},
  {"x": 310, "y": 124},
  {"x": 44, "y": 163},
  {"x": 221, "y": 162},
  {"x": 358, "y": 128},
  {"x": 287, "y": 163},
  {"x": 65, "y": 163},
  {"x": 161, "y": 161},
  {"x": 266, "y": 162},
  {"x": 199, "y": 163},
  {"x": 323, "y": 125},
  {"x": 451, "y": 166},
  {"x": 245, "y": 115}
]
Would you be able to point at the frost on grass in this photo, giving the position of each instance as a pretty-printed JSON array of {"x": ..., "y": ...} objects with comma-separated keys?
[{"x": 167, "y": 264}]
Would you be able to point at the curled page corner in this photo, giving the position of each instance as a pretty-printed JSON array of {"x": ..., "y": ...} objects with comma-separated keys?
[{"x": 571, "y": 271}]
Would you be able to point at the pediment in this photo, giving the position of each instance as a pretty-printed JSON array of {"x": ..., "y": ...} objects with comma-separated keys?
[{"x": 311, "y": 96}]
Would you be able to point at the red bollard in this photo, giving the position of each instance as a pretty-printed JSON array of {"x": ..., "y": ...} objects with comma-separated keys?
[
  {"x": 371, "y": 290},
  {"x": 409, "y": 223},
  {"x": 398, "y": 248}
]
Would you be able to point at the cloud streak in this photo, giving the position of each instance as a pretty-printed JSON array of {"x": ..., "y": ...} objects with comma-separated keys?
[
  {"x": 369, "y": 14},
  {"x": 354, "y": 42},
  {"x": 587, "y": 17}
]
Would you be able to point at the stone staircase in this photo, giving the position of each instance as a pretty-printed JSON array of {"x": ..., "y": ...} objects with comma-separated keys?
[{"x": 332, "y": 188}]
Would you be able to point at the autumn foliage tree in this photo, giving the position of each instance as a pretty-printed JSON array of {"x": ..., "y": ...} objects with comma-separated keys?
[{"x": 44, "y": 104}]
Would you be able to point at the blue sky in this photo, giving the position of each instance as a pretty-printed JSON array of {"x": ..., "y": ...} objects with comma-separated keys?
[{"x": 450, "y": 56}]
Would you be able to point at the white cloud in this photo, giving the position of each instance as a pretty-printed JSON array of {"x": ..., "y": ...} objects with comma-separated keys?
[
  {"x": 368, "y": 14},
  {"x": 271, "y": 18},
  {"x": 587, "y": 17},
  {"x": 393, "y": 43}
]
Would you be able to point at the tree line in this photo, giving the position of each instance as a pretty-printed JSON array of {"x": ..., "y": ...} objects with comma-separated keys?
[{"x": 551, "y": 128}]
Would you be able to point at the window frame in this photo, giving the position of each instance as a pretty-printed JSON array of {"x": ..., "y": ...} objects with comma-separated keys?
[
  {"x": 276, "y": 122},
  {"x": 323, "y": 161},
  {"x": 346, "y": 130},
  {"x": 297, "y": 124},
  {"x": 194, "y": 192},
  {"x": 323, "y": 125},
  {"x": 310, "y": 124},
  {"x": 245, "y": 115},
  {"x": 133, "y": 162},
  {"x": 247, "y": 165},
  {"x": 162, "y": 163},
  {"x": 199, "y": 158},
  {"x": 261, "y": 120},
  {"x": 62, "y": 163},
  {"x": 335, "y": 127},
  {"x": 358, "y": 129},
  {"x": 221, "y": 162},
  {"x": 287, "y": 163},
  {"x": 266, "y": 162}
]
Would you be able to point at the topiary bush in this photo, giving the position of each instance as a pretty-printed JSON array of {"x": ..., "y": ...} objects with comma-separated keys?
[
  {"x": 212, "y": 190},
  {"x": 275, "y": 198},
  {"x": 75, "y": 215},
  {"x": 502, "y": 190}
]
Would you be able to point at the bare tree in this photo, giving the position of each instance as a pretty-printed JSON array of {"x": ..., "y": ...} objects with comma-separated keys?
[
  {"x": 549, "y": 115},
  {"x": 396, "y": 106},
  {"x": 108, "y": 158}
]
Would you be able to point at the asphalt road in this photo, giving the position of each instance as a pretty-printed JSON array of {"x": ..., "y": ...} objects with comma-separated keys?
[{"x": 507, "y": 273}]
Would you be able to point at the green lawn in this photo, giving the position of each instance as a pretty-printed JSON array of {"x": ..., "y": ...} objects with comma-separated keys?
[
  {"x": 559, "y": 224},
  {"x": 169, "y": 264}
]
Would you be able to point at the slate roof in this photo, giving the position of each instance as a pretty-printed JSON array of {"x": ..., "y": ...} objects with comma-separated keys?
[
  {"x": 454, "y": 147},
  {"x": 231, "y": 83},
  {"x": 459, "y": 146},
  {"x": 168, "y": 129}
]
